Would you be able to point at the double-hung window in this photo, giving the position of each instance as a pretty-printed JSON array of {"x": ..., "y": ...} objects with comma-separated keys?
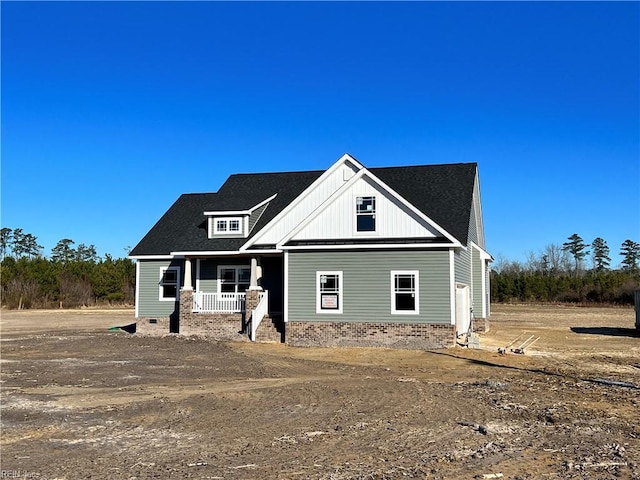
[
  {"x": 169, "y": 281},
  {"x": 365, "y": 214},
  {"x": 233, "y": 279},
  {"x": 329, "y": 292},
  {"x": 405, "y": 292}
]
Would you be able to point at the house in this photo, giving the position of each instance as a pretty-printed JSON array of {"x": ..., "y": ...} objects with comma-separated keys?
[{"x": 348, "y": 256}]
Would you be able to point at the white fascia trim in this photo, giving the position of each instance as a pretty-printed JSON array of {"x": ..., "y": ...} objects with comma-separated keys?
[
  {"x": 286, "y": 288},
  {"x": 214, "y": 253},
  {"x": 227, "y": 213},
  {"x": 241, "y": 212},
  {"x": 346, "y": 157},
  {"x": 370, "y": 246},
  {"x": 265, "y": 250},
  {"x": 152, "y": 257},
  {"x": 137, "y": 300},
  {"x": 452, "y": 286},
  {"x": 207, "y": 254},
  {"x": 484, "y": 255},
  {"x": 263, "y": 202}
]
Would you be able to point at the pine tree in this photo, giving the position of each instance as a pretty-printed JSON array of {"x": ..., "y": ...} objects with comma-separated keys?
[
  {"x": 630, "y": 252},
  {"x": 601, "y": 259},
  {"x": 577, "y": 248},
  {"x": 6, "y": 236},
  {"x": 25, "y": 244},
  {"x": 63, "y": 251}
]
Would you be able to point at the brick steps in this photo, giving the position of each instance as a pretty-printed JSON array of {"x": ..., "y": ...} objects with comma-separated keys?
[{"x": 270, "y": 330}]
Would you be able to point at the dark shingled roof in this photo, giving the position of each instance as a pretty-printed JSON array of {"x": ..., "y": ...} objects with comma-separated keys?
[
  {"x": 183, "y": 227},
  {"x": 443, "y": 193}
]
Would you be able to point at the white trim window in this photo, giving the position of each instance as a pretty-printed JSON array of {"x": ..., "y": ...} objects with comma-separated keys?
[
  {"x": 405, "y": 298},
  {"x": 233, "y": 279},
  {"x": 227, "y": 226},
  {"x": 169, "y": 284},
  {"x": 366, "y": 214},
  {"x": 329, "y": 292}
]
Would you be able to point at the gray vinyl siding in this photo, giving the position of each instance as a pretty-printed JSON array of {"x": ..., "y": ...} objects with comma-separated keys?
[
  {"x": 208, "y": 281},
  {"x": 473, "y": 224},
  {"x": 367, "y": 285},
  {"x": 462, "y": 259},
  {"x": 149, "y": 303},
  {"x": 476, "y": 235},
  {"x": 255, "y": 216}
]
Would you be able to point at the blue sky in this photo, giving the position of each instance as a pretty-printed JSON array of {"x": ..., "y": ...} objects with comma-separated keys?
[{"x": 111, "y": 110}]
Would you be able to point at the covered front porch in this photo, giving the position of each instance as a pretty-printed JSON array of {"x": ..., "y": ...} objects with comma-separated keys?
[{"x": 229, "y": 296}]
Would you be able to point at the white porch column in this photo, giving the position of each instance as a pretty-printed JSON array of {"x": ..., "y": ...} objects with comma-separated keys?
[
  {"x": 253, "y": 283},
  {"x": 187, "y": 274}
]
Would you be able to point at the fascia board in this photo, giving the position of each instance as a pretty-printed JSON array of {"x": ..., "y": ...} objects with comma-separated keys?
[
  {"x": 332, "y": 198},
  {"x": 346, "y": 157},
  {"x": 207, "y": 253},
  {"x": 227, "y": 213},
  {"x": 484, "y": 255},
  {"x": 151, "y": 257},
  {"x": 263, "y": 202},
  {"x": 401, "y": 246},
  {"x": 217, "y": 253}
]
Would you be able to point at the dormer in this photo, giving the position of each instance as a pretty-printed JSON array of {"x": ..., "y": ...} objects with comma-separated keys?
[{"x": 234, "y": 223}]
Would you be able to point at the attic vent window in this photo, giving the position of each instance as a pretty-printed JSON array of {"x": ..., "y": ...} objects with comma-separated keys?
[{"x": 366, "y": 214}]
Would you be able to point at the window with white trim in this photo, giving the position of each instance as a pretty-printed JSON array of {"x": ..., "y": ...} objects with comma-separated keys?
[
  {"x": 405, "y": 299},
  {"x": 329, "y": 292},
  {"x": 231, "y": 225},
  {"x": 233, "y": 279},
  {"x": 365, "y": 214},
  {"x": 169, "y": 283}
]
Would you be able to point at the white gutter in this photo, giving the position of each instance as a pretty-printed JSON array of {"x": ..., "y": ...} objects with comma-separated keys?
[
  {"x": 372, "y": 246},
  {"x": 152, "y": 257}
]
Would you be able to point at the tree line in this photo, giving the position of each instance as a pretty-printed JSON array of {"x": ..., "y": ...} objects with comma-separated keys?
[
  {"x": 562, "y": 273},
  {"x": 71, "y": 276}
]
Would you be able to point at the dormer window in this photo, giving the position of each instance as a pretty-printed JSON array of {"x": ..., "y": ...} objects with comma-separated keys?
[
  {"x": 366, "y": 214},
  {"x": 227, "y": 226}
]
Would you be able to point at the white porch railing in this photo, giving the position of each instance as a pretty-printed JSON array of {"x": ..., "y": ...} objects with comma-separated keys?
[
  {"x": 259, "y": 313},
  {"x": 218, "y": 302}
]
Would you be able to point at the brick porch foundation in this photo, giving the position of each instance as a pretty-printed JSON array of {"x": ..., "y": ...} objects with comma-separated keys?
[
  {"x": 392, "y": 335},
  {"x": 219, "y": 326}
]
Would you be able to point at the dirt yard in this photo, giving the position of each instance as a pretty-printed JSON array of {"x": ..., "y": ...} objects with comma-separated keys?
[{"x": 80, "y": 401}]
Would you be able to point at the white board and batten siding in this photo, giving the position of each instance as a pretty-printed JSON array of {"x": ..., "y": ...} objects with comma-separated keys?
[
  {"x": 307, "y": 204},
  {"x": 367, "y": 285},
  {"x": 337, "y": 219}
]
